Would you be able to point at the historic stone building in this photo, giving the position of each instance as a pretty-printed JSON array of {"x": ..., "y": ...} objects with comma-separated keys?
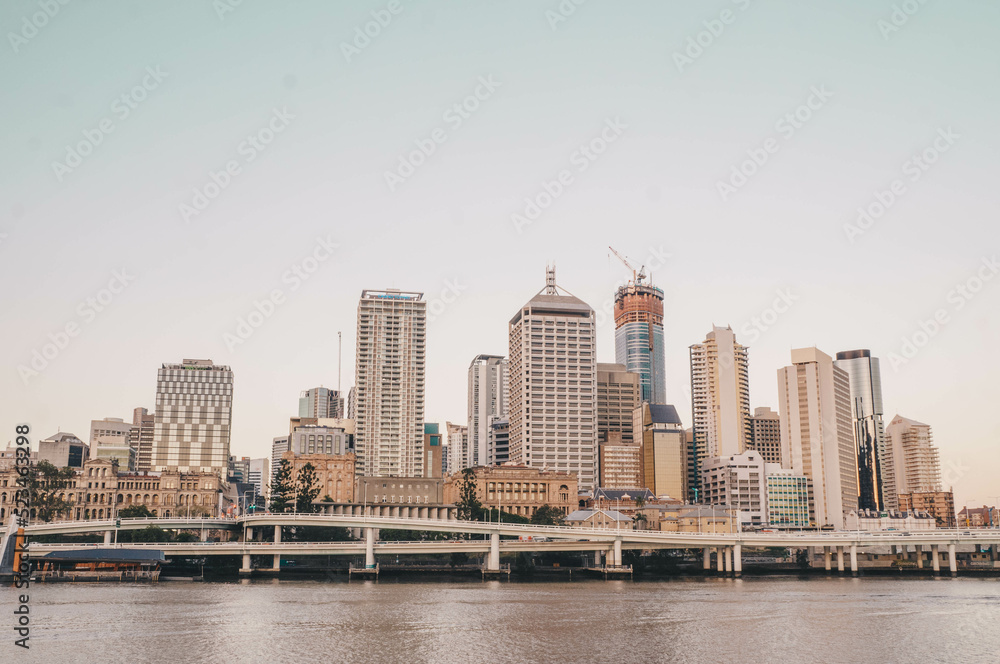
[
  {"x": 518, "y": 489},
  {"x": 334, "y": 473}
]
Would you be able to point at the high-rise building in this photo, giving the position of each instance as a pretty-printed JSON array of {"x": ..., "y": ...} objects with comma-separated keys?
[
  {"x": 720, "y": 397},
  {"x": 488, "y": 379},
  {"x": 619, "y": 463},
  {"x": 141, "y": 438},
  {"x": 110, "y": 438},
  {"x": 765, "y": 434},
  {"x": 738, "y": 481},
  {"x": 664, "y": 451},
  {"x": 618, "y": 395},
  {"x": 194, "y": 410},
  {"x": 389, "y": 389},
  {"x": 63, "y": 450},
  {"x": 912, "y": 464},
  {"x": 498, "y": 445},
  {"x": 321, "y": 402},
  {"x": 788, "y": 493},
  {"x": 639, "y": 337},
  {"x": 459, "y": 455},
  {"x": 259, "y": 475},
  {"x": 816, "y": 433},
  {"x": 352, "y": 404},
  {"x": 433, "y": 450},
  {"x": 553, "y": 384},
  {"x": 279, "y": 446},
  {"x": 869, "y": 430},
  {"x": 239, "y": 469}
]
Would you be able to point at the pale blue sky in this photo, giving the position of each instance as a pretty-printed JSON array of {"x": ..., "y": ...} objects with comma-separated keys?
[{"x": 655, "y": 186}]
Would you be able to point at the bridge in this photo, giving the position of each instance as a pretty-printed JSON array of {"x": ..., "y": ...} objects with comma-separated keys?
[{"x": 725, "y": 547}]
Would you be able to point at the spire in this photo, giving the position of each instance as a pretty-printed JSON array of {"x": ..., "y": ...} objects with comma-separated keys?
[{"x": 550, "y": 280}]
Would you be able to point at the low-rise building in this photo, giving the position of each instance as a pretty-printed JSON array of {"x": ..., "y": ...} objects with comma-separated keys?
[
  {"x": 872, "y": 521},
  {"x": 695, "y": 519},
  {"x": 590, "y": 518},
  {"x": 399, "y": 491},
  {"x": 977, "y": 517},
  {"x": 737, "y": 481},
  {"x": 517, "y": 489},
  {"x": 433, "y": 451},
  {"x": 940, "y": 504}
]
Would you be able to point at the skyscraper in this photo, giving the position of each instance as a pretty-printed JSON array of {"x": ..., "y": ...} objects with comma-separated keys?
[
  {"x": 720, "y": 397},
  {"x": 459, "y": 455},
  {"x": 765, "y": 428},
  {"x": 141, "y": 438},
  {"x": 816, "y": 434},
  {"x": 639, "y": 337},
  {"x": 912, "y": 464},
  {"x": 194, "y": 411},
  {"x": 279, "y": 446},
  {"x": 321, "y": 402},
  {"x": 488, "y": 378},
  {"x": 663, "y": 450},
  {"x": 553, "y": 384},
  {"x": 869, "y": 430},
  {"x": 389, "y": 389},
  {"x": 618, "y": 395}
]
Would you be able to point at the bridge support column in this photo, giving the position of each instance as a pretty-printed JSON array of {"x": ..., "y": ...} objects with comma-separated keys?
[
  {"x": 245, "y": 568},
  {"x": 720, "y": 559},
  {"x": 827, "y": 559},
  {"x": 952, "y": 562},
  {"x": 706, "y": 558},
  {"x": 277, "y": 534},
  {"x": 107, "y": 537},
  {"x": 369, "y": 548},
  {"x": 276, "y": 564},
  {"x": 936, "y": 558},
  {"x": 737, "y": 560},
  {"x": 250, "y": 534},
  {"x": 840, "y": 559},
  {"x": 618, "y": 551},
  {"x": 494, "y": 565},
  {"x": 854, "y": 560},
  {"x": 204, "y": 535},
  {"x": 728, "y": 553},
  {"x": 920, "y": 556}
]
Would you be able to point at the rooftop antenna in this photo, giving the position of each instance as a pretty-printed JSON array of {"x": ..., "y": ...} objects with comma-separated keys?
[
  {"x": 550, "y": 280},
  {"x": 340, "y": 357}
]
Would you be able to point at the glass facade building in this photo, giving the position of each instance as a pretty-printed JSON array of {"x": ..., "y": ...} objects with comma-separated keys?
[
  {"x": 869, "y": 429},
  {"x": 639, "y": 338}
]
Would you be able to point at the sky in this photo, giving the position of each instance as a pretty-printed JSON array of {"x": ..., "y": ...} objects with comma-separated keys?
[{"x": 810, "y": 174}]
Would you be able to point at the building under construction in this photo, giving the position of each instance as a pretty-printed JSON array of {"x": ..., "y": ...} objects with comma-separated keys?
[{"x": 639, "y": 333}]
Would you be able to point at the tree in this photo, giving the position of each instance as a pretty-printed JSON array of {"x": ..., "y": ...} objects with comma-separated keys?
[
  {"x": 470, "y": 508},
  {"x": 185, "y": 537},
  {"x": 546, "y": 515},
  {"x": 281, "y": 487},
  {"x": 135, "y": 512},
  {"x": 151, "y": 534},
  {"x": 308, "y": 489},
  {"x": 44, "y": 482}
]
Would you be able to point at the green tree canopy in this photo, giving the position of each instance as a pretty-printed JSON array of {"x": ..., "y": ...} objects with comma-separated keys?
[
  {"x": 135, "y": 512},
  {"x": 308, "y": 489},
  {"x": 470, "y": 508},
  {"x": 546, "y": 515},
  {"x": 44, "y": 483},
  {"x": 281, "y": 487}
]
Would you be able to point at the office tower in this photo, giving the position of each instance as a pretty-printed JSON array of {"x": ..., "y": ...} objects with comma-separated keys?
[
  {"x": 112, "y": 431},
  {"x": 319, "y": 439},
  {"x": 788, "y": 493},
  {"x": 912, "y": 464},
  {"x": 351, "y": 405},
  {"x": 459, "y": 455},
  {"x": 63, "y": 450},
  {"x": 765, "y": 434},
  {"x": 279, "y": 446},
  {"x": 693, "y": 481},
  {"x": 738, "y": 481},
  {"x": 664, "y": 451},
  {"x": 639, "y": 337},
  {"x": 389, "y": 389},
  {"x": 618, "y": 395},
  {"x": 260, "y": 475},
  {"x": 194, "y": 401},
  {"x": 553, "y": 384},
  {"x": 321, "y": 402},
  {"x": 239, "y": 469},
  {"x": 433, "y": 466},
  {"x": 488, "y": 378},
  {"x": 498, "y": 445},
  {"x": 869, "y": 430},
  {"x": 720, "y": 397},
  {"x": 141, "y": 438},
  {"x": 619, "y": 463},
  {"x": 816, "y": 433}
]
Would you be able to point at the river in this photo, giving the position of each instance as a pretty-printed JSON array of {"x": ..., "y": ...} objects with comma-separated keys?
[{"x": 695, "y": 620}]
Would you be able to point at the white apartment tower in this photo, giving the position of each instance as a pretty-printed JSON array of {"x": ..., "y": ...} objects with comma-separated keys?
[
  {"x": 488, "y": 377},
  {"x": 553, "y": 384},
  {"x": 816, "y": 434},
  {"x": 194, "y": 411},
  {"x": 912, "y": 464},
  {"x": 389, "y": 383},
  {"x": 720, "y": 397},
  {"x": 459, "y": 454}
]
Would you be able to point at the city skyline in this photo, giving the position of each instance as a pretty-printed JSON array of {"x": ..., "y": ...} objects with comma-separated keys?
[{"x": 779, "y": 267}]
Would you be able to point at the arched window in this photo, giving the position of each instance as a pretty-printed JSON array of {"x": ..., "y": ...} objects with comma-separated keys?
[{"x": 156, "y": 499}]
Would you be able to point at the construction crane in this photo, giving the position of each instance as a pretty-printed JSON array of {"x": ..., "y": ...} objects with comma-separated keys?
[{"x": 637, "y": 277}]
